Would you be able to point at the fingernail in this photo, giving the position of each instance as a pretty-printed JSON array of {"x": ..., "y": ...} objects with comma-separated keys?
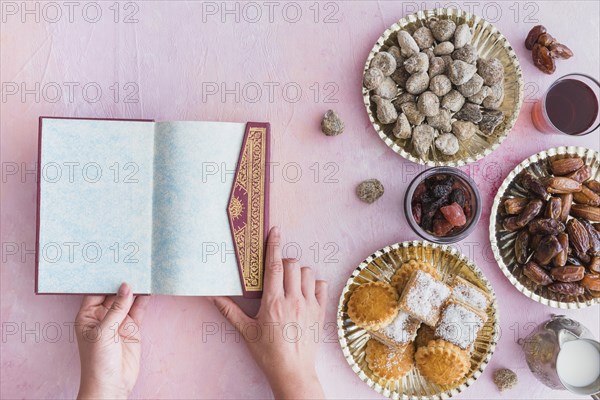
[
  {"x": 275, "y": 231},
  {"x": 124, "y": 289}
]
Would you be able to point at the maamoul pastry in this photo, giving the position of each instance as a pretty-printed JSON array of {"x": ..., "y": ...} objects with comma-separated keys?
[
  {"x": 467, "y": 292},
  {"x": 400, "y": 332},
  {"x": 442, "y": 363},
  {"x": 373, "y": 305},
  {"x": 459, "y": 324},
  {"x": 388, "y": 362},
  {"x": 403, "y": 274},
  {"x": 423, "y": 297}
]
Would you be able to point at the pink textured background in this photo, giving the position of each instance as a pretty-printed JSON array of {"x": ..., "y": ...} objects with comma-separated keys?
[{"x": 169, "y": 53}]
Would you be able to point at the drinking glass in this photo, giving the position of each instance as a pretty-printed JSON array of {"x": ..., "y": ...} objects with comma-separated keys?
[{"x": 569, "y": 106}]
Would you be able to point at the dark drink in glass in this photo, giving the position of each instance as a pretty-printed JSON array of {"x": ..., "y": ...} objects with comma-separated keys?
[{"x": 570, "y": 106}]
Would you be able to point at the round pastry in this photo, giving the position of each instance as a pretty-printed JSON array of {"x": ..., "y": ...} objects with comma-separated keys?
[
  {"x": 403, "y": 274},
  {"x": 373, "y": 305},
  {"x": 387, "y": 362},
  {"x": 442, "y": 363},
  {"x": 425, "y": 334}
]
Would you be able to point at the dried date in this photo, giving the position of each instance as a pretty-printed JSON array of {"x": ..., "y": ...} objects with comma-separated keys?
[
  {"x": 562, "y": 185},
  {"x": 591, "y": 282},
  {"x": 533, "y": 184},
  {"x": 560, "y": 259},
  {"x": 586, "y": 196},
  {"x": 542, "y": 59},
  {"x": 594, "y": 265},
  {"x": 548, "y": 248},
  {"x": 559, "y": 50},
  {"x": 546, "y": 226},
  {"x": 566, "y": 201},
  {"x": 533, "y": 35},
  {"x": 578, "y": 237},
  {"x": 566, "y": 288},
  {"x": 581, "y": 175},
  {"x": 537, "y": 274},
  {"x": 510, "y": 224},
  {"x": 553, "y": 208},
  {"x": 531, "y": 210},
  {"x": 569, "y": 273},
  {"x": 590, "y": 213},
  {"x": 565, "y": 166},
  {"x": 594, "y": 236},
  {"x": 522, "y": 247},
  {"x": 515, "y": 205},
  {"x": 594, "y": 185},
  {"x": 546, "y": 39}
]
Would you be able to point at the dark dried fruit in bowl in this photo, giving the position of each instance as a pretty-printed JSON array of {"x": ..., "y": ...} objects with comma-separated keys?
[
  {"x": 594, "y": 264},
  {"x": 569, "y": 273},
  {"x": 547, "y": 249},
  {"x": 590, "y": 213},
  {"x": 457, "y": 196},
  {"x": 586, "y": 196},
  {"x": 510, "y": 224},
  {"x": 454, "y": 214},
  {"x": 564, "y": 166},
  {"x": 581, "y": 175},
  {"x": 560, "y": 260},
  {"x": 537, "y": 274},
  {"x": 591, "y": 282},
  {"x": 531, "y": 210},
  {"x": 553, "y": 208},
  {"x": 441, "y": 189},
  {"x": 566, "y": 201},
  {"x": 561, "y": 185},
  {"x": 533, "y": 184},
  {"x": 522, "y": 247},
  {"x": 559, "y": 50},
  {"x": 546, "y": 226},
  {"x": 441, "y": 226},
  {"x": 578, "y": 237},
  {"x": 533, "y": 35},
  {"x": 594, "y": 185},
  {"x": 534, "y": 241},
  {"x": 515, "y": 205},
  {"x": 542, "y": 59},
  {"x": 416, "y": 210},
  {"x": 566, "y": 288}
]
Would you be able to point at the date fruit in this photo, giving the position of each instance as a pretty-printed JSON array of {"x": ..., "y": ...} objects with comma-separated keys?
[
  {"x": 581, "y": 175},
  {"x": 533, "y": 35},
  {"x": 586, "y": 196},
  {"x": 566, "y": 201},
  {"x": 548, "y": 248},
  {"x": 594, "y": 185},
  {"x": 565, "y": 166},
  {"x": 533, "y": 184},
  {"x": 546, "y": 39},
  {"x": 570, "y": 273},
  {"x": 578, "y": 237},
  {"x": 560, "y": 260},
  {"x": 566, "y": 288},
  {"x": 591, "y": 282},
  {"x": 590, "y": 213},
  {"x": 594, "y": 264},
  {"x": 537, "y": 274},
  {"x": 561, "y": 185},
  {"x": 559, "y": 50},
  {"x": 522, "y": 247},
  {"x": 515, "y": 205},
  {"x": 542, "y": 59},
  {"x": 553, "y": 208},
  {"x": 510, "y": 224},
  {"x": 531, "y": 210},
  {"x": 546, "y": 226}
]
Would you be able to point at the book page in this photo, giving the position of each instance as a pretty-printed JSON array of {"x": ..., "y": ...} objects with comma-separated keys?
[
  {"x": 95, "y": 206},
  {"x": 194, "y": 169}
]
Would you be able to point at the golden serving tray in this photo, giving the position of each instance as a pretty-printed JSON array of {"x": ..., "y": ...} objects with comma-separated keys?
[
  {"x": 490, "y": 43},
  {"x": 380, "y": 266},
  {"x": 503, "y": 242}
]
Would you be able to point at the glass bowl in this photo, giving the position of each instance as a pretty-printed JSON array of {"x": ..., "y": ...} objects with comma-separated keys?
[{"x": 471, "y": 188}]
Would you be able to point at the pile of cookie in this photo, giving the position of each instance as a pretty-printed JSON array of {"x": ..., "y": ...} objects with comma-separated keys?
[
  {"x": 435, "y": 89},
  {"x": 418, "y": 320}
]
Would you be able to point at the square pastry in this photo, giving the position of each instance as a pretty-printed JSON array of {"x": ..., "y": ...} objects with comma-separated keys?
[
  {"x": 400, "y": 332},
  {"x": 465, "y": 291},
  {"x": 459, "y": 324},
  {"x": 423, "y": 297}
]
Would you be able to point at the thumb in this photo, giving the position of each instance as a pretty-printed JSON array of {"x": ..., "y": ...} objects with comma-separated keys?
[
  {"x": 230, "y": 310},
  {"x": 120, "y": 307}
]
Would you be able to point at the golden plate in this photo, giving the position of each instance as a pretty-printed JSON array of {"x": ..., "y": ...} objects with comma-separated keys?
[
  {"x": 503, "y": 242},
  {"x": 380, "y": 266},
  {"x": 489, "y": 42}
]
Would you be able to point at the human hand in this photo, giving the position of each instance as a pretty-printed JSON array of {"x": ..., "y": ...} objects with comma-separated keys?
[
  {"x": 109, "y": 341},
  {"x": 283, "y": 337}
]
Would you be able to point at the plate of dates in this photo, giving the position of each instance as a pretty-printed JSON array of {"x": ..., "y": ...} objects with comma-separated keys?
[{"x": 545, "y": 227}]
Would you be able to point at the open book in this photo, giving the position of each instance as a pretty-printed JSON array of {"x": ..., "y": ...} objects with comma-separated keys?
[{"x": 177, "y": 208}]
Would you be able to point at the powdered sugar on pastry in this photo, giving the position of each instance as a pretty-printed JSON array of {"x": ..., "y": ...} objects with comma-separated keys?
[
  {"x": 403, "y": 328},
  {"x": 470, "y": 294},
  {"x": 459, "y": 324},
  {"x": 423, "y": 297}
]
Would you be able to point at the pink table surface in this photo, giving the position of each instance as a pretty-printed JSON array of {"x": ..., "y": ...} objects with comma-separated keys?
[{"x": 198, "y": 61}]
